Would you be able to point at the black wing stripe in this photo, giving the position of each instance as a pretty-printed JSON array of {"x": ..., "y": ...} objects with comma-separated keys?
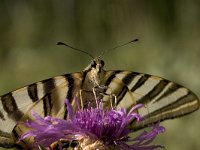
[
  {"x": 47, "y": 105},
  {"x": 170, "y": 111},
  {"x": 113, "y": 75},
  {"x": 10, "y": 107},
  {"x": 184, "y": 100},
  {"x": 2, "y": 116},
  {"x": 71, "y": 87},
  {"x": 32, "y": 92},
  {"x": 14, "y": 132},
  {"x": 110, "y": 78},
  {"x": 154, "y": 92},
  {"x": 48, "y": 85},
  {"x": 121, "y": 91},
  {"x": 121, "y": 95},
  {"x": 17, "y": 136},
  {"x": 169, "y": 91},
  {"x": 83, "y": 78},
  {"x": 129, "y": 77},
  {"x": 140, "y": 82},
  {"x": 6, "y": 140}
]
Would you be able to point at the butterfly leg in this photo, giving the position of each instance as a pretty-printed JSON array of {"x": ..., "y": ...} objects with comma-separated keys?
[
  {"x": 81, "y": 98},
  {"x": 95, "y": 96},
  {"x": 109, "y": 92},
  {"x": 87, "y": 97}
]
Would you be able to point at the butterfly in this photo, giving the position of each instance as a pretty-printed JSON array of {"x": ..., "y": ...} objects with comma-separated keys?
[{"x": 162, "y": 99}]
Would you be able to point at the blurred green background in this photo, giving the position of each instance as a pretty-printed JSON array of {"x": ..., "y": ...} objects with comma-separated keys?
[{"x": 169, "y": 45}]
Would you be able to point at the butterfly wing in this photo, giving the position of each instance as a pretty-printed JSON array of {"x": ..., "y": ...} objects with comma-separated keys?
[
  {"x": 161, "y": 98},
  {"x": 45, "y": 98}
]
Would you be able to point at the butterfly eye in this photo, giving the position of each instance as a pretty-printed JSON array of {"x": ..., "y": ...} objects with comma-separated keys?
[
  {"x": 93, "y": 64},
  {"x": 102, "y": 63}
]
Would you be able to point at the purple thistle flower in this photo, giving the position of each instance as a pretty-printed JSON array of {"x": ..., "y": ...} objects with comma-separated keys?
[{"x": 93, "y": 128}]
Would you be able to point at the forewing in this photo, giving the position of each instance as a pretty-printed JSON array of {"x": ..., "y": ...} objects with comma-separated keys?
[
  {"x": 45, "y": 98},
  {"x": 161, "y": 98}
]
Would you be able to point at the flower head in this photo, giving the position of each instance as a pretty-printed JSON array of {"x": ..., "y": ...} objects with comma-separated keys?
[{"x": 92, "y": 128}]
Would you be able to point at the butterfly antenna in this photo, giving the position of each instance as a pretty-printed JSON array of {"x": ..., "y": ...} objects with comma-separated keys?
[
  {"x": 61, "y": 43},
  {"x": 132, "y": 41}
]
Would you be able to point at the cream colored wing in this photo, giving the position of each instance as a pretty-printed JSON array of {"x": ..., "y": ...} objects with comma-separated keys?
[
  {"x": 45, "y": 98},
  {"x": 162, "y": 99}
]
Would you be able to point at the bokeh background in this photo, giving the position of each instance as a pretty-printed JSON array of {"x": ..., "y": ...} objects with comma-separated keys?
[{"x": 169, "y": 45}]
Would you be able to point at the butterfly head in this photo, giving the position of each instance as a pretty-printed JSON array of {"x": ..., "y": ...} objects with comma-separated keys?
[
  {"x": 96, "y": 65},
  {"x": 95, "y": 72}
]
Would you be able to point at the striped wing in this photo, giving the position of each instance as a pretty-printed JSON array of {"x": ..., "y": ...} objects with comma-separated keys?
[
  {"x": 162, "y": 99},
  {"x": 45, "y": 97}
]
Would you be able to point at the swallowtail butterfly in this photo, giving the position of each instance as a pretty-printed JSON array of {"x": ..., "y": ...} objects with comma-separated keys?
[{"x": 162, "y": 99}]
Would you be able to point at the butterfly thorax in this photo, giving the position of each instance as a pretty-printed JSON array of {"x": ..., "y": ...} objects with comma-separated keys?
[{"x": 94, "y": 74}]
